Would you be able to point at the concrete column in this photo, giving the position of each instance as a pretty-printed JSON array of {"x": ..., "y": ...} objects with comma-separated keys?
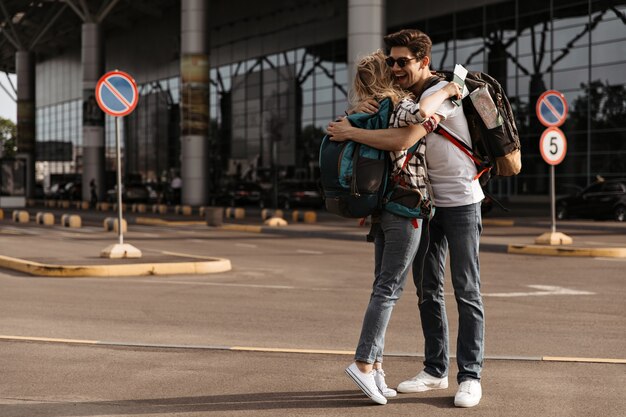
[
  {"x": 194, "y": 102},
  {"x": 93, "y": 117},
  {"x": 366, "y": 28},
  {"x": 25, "y": 69}
]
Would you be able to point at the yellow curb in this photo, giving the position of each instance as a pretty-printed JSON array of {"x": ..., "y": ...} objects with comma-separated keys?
[
  {"x": 286, "y": 350},
  {"x": 49, "y": 340},
  {"x": 567, "y": 251},
  {"x": 210, "y": 265},
  {"x": 498, "y": 222},
  {"x": 582, "y": 360},
  {"x": 242, "y": 228},
  {"x": 149, "y": 221}
]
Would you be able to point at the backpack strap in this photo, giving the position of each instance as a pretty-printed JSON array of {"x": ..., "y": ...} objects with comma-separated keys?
[
  {"x": 354, "y": 189},
  {"x": 482, "y": 167}
]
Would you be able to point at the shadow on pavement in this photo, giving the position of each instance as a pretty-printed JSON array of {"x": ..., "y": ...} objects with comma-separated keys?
[{"x": 235, "y": 402}]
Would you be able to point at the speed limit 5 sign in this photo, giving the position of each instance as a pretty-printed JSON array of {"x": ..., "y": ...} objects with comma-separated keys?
[{"x": 553, "y": 145}]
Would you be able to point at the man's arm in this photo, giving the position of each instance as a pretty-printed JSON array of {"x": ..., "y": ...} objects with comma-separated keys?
[
  {"x": 430, "y": 104},
  {"x": 383, "y": 139}
]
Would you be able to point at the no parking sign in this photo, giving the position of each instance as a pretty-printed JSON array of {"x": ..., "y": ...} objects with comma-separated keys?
[
  {"x": 551, "y": 108},
  {"x": 116, "y": 93}
]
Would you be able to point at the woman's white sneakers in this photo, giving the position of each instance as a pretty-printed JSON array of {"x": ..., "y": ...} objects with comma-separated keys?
[
  {"x": 367, "y": 383},
  {"x": 379, "y": 377}
]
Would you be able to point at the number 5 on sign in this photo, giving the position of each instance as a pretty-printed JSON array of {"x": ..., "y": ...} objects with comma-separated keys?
[{"x": 553, "y": 145}]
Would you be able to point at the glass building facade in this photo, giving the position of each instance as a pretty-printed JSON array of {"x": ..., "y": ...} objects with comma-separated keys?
[{"x": 270, "y": 111}]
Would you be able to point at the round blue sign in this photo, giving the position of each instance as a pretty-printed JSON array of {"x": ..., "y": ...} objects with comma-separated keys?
[
  {"x": 551, "y": 108},
  {"x": 116, "y": 93}
]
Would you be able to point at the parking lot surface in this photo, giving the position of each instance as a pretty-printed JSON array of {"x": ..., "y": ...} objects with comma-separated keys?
[{"x": 272, "y": 335}]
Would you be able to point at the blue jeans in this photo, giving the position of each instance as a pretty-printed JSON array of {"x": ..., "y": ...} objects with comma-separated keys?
[
  {"x": 396, "y": 244},
  {"x": 457, "y": 229}
]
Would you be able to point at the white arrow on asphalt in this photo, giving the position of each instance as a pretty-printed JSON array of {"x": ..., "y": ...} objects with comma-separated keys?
[{"x": 543, "y": 290}]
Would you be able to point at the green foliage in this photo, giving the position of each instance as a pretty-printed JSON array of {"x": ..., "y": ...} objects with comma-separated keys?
[
  {"x": 311, "y": 138},
  {"x": 608, "y": 106},
  {"x": 8, "y": 135}
]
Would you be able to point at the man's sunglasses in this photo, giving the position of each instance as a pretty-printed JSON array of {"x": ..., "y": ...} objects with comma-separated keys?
[{"x": 401, "y": 61}]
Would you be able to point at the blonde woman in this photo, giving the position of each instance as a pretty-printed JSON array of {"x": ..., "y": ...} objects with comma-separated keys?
[{"x": 397, "y": 238}]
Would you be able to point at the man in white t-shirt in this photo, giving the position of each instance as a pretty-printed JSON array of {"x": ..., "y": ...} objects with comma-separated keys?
[{"x": 456, "y": 226}]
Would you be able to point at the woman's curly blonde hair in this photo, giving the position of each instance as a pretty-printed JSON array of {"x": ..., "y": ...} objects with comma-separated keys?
[{"x": 374, "y": 79}]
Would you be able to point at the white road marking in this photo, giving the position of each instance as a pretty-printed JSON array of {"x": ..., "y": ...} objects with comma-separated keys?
[
  {"x": 543, "y": 290},
  {"x": 246, "y": 245},
  {"x": 310, "y": 252}
]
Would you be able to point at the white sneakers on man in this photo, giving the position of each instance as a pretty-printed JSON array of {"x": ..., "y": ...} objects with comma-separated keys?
[
  {"x": 379, "y": 377},
  {"x": 469, "y": 393},
  {"x": 423, "y": 382},
  {"x": 367, "y": 383}
]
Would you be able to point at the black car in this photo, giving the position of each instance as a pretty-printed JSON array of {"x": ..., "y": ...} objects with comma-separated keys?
[
  {"x": 240, "y": 194},
  {"x": 299, "y": 194},
  {"x": 601, "y": 200}
]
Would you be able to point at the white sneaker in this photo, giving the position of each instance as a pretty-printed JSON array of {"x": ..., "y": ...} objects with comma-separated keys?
[
  {"x": 379, "y": 377},
  {"x": 469, "y": 393},
  {"x": 423, "y": 382},
  {"x": 366, "y": 383}
]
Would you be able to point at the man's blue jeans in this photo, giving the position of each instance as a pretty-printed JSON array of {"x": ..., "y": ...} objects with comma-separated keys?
[
  {"x": 457, "y": 229},
  {"x": 396, "y": 244}
]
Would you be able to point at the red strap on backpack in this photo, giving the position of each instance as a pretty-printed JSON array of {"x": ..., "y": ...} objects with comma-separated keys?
[{"x": 479, "y": 164}]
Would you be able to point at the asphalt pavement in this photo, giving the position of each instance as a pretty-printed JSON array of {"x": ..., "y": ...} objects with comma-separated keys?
[{"x": 272, "y": 334}]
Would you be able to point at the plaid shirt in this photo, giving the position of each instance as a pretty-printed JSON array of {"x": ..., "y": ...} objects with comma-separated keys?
[{"x": 412, "y": 172}]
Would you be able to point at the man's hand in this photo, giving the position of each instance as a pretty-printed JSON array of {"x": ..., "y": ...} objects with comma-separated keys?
[
  {"x": 368, "y": 106},
  {"x": 339, "y": 130},
  {"x": 453, "y": 90}
]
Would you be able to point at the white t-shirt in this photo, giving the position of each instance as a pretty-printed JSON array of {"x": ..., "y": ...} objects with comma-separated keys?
[{"x": 451, "y": 172}]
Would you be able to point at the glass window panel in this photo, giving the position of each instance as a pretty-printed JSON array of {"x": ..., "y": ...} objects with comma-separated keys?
[
  {"x": 324, "y": 111},
  {"x": 323, "y": 95},
  {"x": 341, "y": 74},
  {"x": 307, "y": 113},
  {"x": 323, "y": 80},
  {"x": 613, "y": 74},
  {"x": 609, "y": 52}
]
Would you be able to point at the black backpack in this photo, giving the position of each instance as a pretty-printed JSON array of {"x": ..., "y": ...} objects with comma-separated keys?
[{"x": 496, "y": 151}]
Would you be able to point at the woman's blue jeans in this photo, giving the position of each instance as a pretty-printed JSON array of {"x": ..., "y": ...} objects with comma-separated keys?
[
  {"x": 396, "y": 244},
  {"x": 458, "y": 230}
]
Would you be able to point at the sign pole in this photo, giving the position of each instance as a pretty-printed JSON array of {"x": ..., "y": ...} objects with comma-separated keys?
[
  {"x": 551, "y": 111},
  {"x": 117, "y": 96},
  {"x": 118, "y": 151},
  {"x": 553, "y": 198}
]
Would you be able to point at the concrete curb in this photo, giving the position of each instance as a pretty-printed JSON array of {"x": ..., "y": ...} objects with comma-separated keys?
[
  {"x": 567, "y": 251},
  {"x": 206, "y": 266},
  {"x": 151, "y": 221}
]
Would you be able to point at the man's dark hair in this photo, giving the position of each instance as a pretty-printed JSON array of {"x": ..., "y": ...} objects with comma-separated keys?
[{"x": 415, "y": 40}]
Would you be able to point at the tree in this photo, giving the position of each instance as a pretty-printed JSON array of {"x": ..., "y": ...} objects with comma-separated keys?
[
  {"x": 602, "y": 110},
  {"x": 8, "y": 133}
]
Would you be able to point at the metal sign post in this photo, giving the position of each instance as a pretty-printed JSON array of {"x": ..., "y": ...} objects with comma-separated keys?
[
  {"x": 552, "y": 111},
  {"x": 117, "y": 95},
  {"x": 553, "y": 147}
]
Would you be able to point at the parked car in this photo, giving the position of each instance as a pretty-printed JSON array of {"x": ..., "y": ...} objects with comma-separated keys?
[
  {"x": 601, "y": 200},
  {"x": 299, "y": 194},
  {"x": 134, "y": 193},
  {"x": 240, "y": 194}
]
